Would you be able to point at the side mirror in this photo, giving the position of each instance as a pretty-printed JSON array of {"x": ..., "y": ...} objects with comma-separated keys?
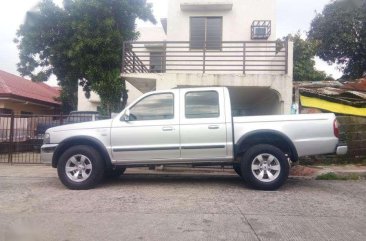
[{"x": 126, "y": 116}]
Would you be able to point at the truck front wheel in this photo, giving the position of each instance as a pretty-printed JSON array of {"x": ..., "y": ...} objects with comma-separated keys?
[
  {"x": 265, "y": 167},
  {"x": 237, "y": 169},
  {"x": 80, "y": 167}
]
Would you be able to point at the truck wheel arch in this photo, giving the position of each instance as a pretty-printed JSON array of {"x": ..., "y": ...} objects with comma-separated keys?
[
  {"x": 81, "y": 140},
  {"x": 271, "y": 137}
]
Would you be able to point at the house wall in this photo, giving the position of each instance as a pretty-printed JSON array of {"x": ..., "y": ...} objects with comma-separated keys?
[
  {"x": 236, "y": 27},
  {"x": 18, "y": 107},
  {"x": 93, "y": 102},
  {"x": 236, "y": 22}
]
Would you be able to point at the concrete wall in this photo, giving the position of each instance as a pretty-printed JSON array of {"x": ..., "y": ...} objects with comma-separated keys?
[
  {"x": 152, "y": 33},
  {"x": 93, "y": 102},
  {"x": 236, "y": 22}
]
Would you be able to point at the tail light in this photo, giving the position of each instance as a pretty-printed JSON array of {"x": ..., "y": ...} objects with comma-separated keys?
[{"x": 336, "y": 128}]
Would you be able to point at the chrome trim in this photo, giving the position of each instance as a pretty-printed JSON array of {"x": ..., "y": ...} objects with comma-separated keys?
[
  {"x": 203, "y": 147},
  {"x": 145, "y": 149},
  {"x": 47, "y": 151},
  {"x": 228, "y": 159},
  {"x": 342, "y": 150}
]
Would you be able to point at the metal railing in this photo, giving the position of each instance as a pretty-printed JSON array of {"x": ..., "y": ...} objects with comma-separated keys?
[
  {"x": 21, "y": 136},
  {"x": 230, "y": 56}
]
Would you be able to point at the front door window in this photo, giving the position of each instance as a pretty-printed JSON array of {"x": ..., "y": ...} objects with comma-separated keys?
[{"x": 154, "y": 107}]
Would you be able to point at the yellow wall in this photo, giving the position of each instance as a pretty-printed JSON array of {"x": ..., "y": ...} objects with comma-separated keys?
[
  {"x": 332, "y": 107},
  {"x": 35, "y": 109}
]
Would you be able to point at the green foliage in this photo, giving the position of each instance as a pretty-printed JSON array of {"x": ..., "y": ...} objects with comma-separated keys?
[
  {"x": 304, "y": 64},
  {"x": 81, "y": 43},
  {"x": 340, "y": 31}
]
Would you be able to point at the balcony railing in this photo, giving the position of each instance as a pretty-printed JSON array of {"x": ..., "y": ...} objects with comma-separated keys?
[{"x": 231, "y": 57}]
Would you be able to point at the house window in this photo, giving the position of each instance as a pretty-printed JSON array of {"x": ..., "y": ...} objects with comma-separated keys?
[
  {"x": 26, "y": 113},
  {"x": 261, "y": 29},
  {"x": 202, "y": 104},
  {"x": 156, "y": 62},
  {"x": 5, "y": 111},
  {"x": 206, "y": 29}
]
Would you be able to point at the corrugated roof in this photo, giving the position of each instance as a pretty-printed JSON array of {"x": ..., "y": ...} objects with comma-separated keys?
[
  {"x": 359, "y": 85},
  {"x": 20, "y": 87}
]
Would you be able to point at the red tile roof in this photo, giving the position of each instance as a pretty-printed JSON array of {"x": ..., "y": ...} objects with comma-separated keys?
[{"x": 18, "y": 87}]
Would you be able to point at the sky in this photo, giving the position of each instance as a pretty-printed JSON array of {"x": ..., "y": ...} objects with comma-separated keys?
[{"x": 292, "y": 15}]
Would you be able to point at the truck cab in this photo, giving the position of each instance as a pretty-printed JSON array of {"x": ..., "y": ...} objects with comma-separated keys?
[{"x": 179, "y": 125}]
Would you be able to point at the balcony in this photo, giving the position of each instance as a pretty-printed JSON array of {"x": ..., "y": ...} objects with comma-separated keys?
[{"x": 244, "y": 57}]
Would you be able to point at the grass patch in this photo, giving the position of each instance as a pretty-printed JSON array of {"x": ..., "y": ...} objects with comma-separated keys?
[{"x": 334, "y": 176}]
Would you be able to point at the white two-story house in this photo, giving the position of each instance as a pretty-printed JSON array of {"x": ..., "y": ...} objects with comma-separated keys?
[{"x": 228, "y": 43}]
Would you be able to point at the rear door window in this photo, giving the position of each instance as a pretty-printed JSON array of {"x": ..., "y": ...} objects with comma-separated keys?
[{"x": 202, "y": 104}]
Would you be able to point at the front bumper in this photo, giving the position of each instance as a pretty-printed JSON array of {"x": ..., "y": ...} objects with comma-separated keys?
[
  {"x": 47, "y": 151},
  {"x": 342, "y": 150}
]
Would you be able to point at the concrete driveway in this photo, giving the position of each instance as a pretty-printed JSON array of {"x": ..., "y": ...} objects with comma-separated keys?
[{"x": 35, "y": 206}]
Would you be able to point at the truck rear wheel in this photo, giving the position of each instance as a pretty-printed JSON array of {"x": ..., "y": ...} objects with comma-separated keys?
[
  {"x": 80, "y": 167},
  {"x": 265, "y": 167}
]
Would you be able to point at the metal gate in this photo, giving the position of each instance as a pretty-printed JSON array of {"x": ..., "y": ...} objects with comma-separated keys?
[{"x": 21, "y": 136}]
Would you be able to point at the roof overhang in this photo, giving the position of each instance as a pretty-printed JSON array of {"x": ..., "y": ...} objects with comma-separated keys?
[
  {"x": 25, "y": 100},
  {"x": 205, "y": 5}
]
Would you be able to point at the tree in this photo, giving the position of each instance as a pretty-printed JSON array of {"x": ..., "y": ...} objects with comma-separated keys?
[
  {"x": 341, "y": 33},
  {"x": 304, "y": 64},
  {"x": 81, "y": 43}
]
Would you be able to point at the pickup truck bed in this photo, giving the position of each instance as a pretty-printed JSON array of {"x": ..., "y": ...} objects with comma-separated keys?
[{"x": 292, "y": 127}]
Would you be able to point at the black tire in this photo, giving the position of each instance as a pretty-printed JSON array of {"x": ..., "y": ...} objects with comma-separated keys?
[
  {"x": 250, "y": 157},
  {"x": 237, "y": 169},
  {"x": 95, "y": 174},
  {"x": 115, "y": 172}
]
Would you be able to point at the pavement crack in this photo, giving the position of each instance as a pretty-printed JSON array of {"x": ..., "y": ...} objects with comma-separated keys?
[{"x": 250, "y": 225}]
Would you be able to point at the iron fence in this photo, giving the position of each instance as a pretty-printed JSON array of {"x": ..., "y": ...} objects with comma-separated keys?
[
  {"x": 21, "y": 136},
  {"x": 353, "y": 132},
  {"x": 231, "y": 56}
]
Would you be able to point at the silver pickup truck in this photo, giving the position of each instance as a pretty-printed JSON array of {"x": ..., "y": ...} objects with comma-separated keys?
[{"x": 188, "y": 126}]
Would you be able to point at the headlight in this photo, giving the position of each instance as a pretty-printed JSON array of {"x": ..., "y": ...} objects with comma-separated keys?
[{"x": 46, "y": 138}]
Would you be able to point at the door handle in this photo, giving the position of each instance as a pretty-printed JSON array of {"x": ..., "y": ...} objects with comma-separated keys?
[
  {"x": 167, "y": 128},
  {"x": 213, "y": 127}
]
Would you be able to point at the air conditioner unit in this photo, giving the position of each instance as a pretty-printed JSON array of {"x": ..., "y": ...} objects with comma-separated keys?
[
  {"x": 261, "y": 29},
  {"x": 260, "y": 32}
]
